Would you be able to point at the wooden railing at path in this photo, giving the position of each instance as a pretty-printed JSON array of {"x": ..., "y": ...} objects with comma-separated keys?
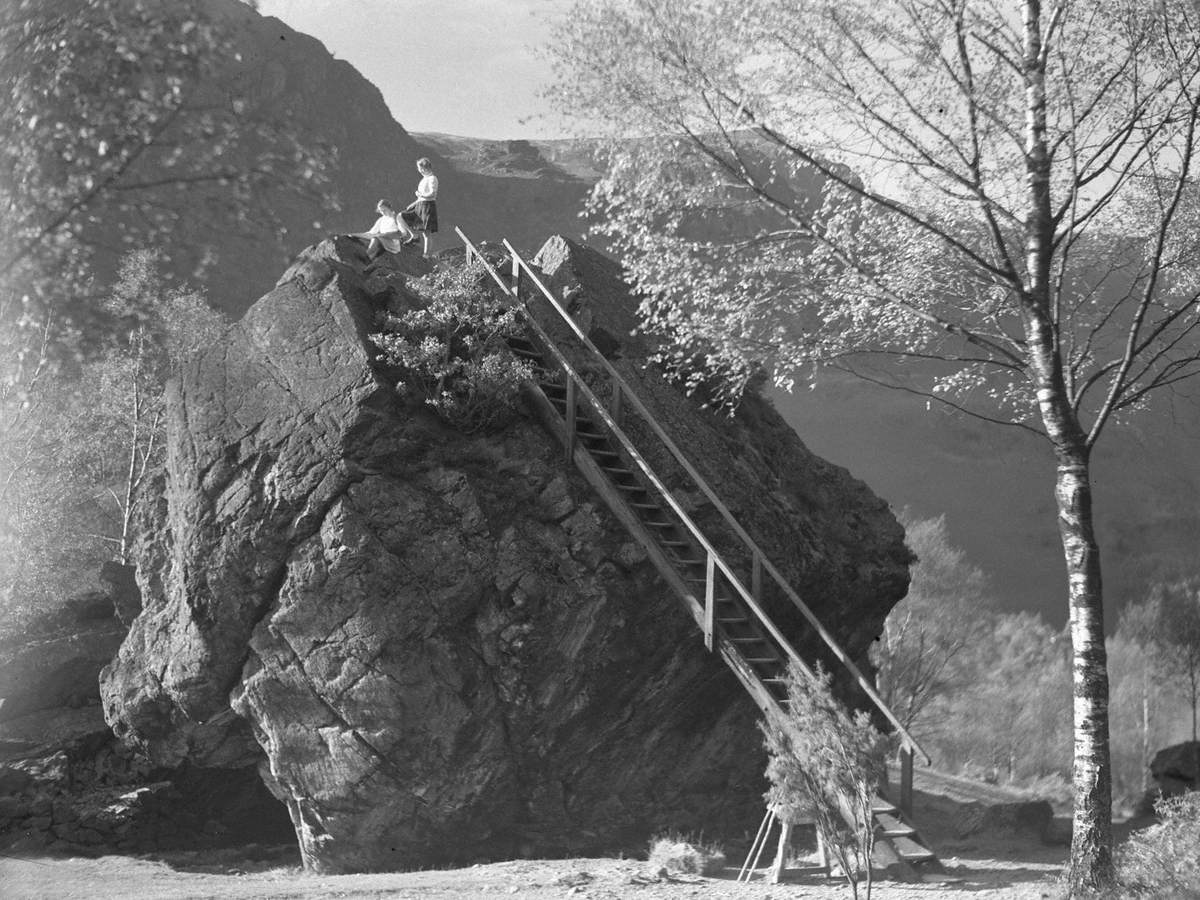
[{"x": 625, "y": 400}]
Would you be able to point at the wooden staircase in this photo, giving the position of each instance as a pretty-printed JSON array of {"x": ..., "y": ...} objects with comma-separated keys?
[{"x": 728, "y": 612}]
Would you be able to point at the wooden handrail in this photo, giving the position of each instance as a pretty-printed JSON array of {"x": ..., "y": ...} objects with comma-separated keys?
[{"x": 759, "y": 559}]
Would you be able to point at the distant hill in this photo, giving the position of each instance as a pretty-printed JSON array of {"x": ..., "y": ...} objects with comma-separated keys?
[{"x": 993, "y": 486}]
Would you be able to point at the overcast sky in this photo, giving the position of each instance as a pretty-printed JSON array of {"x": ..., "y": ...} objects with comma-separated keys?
[{"x": 465, "y": 67}]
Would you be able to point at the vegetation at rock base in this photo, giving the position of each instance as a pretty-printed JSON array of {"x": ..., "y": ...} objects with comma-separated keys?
[
  {"x": 827, "y": 764},
  {"x": 79, "y": 442},
  {"x": 1006, "y": 204},
  {"x": 1161, "y": 860},
  {"x": 451, "y": 350}
]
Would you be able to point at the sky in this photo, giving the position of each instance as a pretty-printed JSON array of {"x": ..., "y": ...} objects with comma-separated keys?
[{"x": 466, "y": 67}]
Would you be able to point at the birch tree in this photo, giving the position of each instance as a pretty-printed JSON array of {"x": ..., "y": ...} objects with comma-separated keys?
[
  {"x": 990, "y": 202},
  {"x": 78, "y": 447}
]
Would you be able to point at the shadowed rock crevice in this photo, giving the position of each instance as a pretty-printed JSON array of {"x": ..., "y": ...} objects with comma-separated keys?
[{"x": 442, "y": 647}]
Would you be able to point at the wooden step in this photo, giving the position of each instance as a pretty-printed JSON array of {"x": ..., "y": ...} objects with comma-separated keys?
[
  {"x": 632, "y": 488},
  {"x": 890, "y": 826},
  {"x": 910, "y": 851}
]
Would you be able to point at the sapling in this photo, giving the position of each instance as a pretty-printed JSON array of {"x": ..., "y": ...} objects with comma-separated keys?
[{"x": 827, "y": 764}]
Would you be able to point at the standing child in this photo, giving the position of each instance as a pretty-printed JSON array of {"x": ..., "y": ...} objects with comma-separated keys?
[{"x": 421, "y": 214}]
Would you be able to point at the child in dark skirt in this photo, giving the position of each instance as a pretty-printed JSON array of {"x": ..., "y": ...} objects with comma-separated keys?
[{"x": 421, "y": 214}]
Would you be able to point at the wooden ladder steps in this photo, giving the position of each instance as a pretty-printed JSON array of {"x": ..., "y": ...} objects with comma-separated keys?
[
  {"x": 910, "y": 851},
  {"x": 892, "y": 826}
]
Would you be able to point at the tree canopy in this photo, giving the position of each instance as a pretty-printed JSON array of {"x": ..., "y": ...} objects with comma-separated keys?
[{"x": 856, "y": 187}]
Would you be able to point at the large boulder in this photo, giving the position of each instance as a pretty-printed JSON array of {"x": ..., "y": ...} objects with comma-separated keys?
[
  {"x": 442, "y": 647},
  {"x": 1176, "y": 769}
]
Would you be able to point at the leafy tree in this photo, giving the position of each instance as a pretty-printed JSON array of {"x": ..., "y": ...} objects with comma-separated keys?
[
  {"x": 107, "y": 105},
  {"x": 79, "y": 446},
  {"x": 1167, "y": 625},
  {"x": 1005, "y": 202},
  {"x": 827, "y": 763},
  {"x": 1009, "y": 713},
  {"x": 1149, "y": 711},
  {"x": 926, "y": 634}
]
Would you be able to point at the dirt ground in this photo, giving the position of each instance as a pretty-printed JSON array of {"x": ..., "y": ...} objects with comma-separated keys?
[{"x": 1004, "y": 870}]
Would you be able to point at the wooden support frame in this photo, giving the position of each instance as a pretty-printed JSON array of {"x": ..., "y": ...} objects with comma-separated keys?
[
  {"x": 569, "y": 441},
  {"x": 906, "y": 781}
]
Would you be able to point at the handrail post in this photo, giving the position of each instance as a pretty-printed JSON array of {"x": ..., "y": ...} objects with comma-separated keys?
[
  {"x": 615, "y": 407},
  {"x": 756, "y": 576},
  {"x": 906, "y": 780},
  {"x": 516, "y": 277},
  {"x": 710, "y": 591},
  {"x": 570, "y": 411}
]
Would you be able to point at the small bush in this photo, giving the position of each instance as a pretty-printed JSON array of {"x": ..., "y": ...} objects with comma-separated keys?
[
  {"x": 680, "y": 855},
  {"x": 452, "y": 352},
  {"x": 1163, "y": 860},
  {"x": 827, "y": 764}
]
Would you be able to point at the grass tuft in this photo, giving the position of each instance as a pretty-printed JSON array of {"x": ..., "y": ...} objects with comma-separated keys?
[{"x": 679, "y": 854}]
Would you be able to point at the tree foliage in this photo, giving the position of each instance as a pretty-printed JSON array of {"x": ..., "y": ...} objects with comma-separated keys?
[
  {"x": 78, "y": 446},
  {"x": 858, "y": 186},
  {"x": 450, "y": 350},
  {"x": 1167, "y": 625},
  {"x": 941, "y": 619},
  {"x": 108, "y": 104}
]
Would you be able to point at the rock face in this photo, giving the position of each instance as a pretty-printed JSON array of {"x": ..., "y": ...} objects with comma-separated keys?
[{"x": 442, "y": 647}]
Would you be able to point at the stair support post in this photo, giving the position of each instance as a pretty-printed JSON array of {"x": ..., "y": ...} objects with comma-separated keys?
[
  {"x": 570, "y": 435},
  {"x": 906, "y": 780},
  {"x": 785, "y": 842},
  {"x": 756, "y": 577},
  {"x": 710, "y": 604}
]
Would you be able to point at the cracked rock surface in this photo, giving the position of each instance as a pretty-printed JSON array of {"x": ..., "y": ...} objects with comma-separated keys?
[{"x": 438, "y": 647}]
